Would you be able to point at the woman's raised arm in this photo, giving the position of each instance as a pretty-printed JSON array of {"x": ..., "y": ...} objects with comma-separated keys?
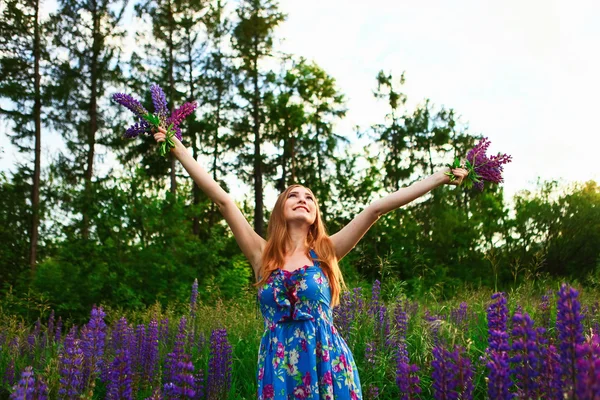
[
  {"x": 250, "y": 242},
  {"x": 350, "y": 235}
]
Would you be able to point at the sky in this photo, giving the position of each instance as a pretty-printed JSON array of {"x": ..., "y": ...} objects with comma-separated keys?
[{"x": 523, "y": 73}]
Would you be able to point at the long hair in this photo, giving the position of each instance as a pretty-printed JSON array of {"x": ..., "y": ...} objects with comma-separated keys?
[{"x": 278, "y": 238}]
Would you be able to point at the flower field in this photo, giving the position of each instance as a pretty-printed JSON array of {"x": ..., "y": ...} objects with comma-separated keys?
[{"x": 491, "y": 345}]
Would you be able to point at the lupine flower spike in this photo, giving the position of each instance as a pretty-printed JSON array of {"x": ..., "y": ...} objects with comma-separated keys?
[
  {"x": 147, "y": 122},
  {"x": 481, "y": 167}
]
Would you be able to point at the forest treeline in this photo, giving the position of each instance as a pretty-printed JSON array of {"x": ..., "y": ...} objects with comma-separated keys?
[{"x": 103, "y": 219}]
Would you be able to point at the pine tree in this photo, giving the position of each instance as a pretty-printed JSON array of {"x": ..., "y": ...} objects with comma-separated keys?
[
  {"x": 23, "y": 57},
  {"x": 253, "y": 43},
  {"x": 86, "y": 35}
]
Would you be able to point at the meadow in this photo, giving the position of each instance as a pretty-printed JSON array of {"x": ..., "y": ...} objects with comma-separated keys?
[{"x": 539, "y": 340}]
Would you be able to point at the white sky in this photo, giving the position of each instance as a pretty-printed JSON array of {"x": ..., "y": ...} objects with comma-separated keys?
[{"x": 526, "y": 74}]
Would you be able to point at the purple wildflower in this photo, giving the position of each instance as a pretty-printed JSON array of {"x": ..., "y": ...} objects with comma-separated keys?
[
  {"x": 194, "y": 298},
  {"x": 525, "y": 356},
  {"x": 50, "y": 329},
  {"x": 373, "y": 392},
  {"x": 58, "y": 332},
  {"x": 70, "y": 365},
  {"x": 486, "y": 168},
  {"x": 370, "y": 351},
  {"x": 160, "y": 102},
  {"x": 443, "y": 375},
  {"x": 92, "y": 344},
  {"x": 151, "y": 351},
  {"x": 343, "y": 314},
  {"x": 119, "y": 377},
  {"x": 131, "y": 104},
  {"x": 9, "y": 373},
  {"x": 179, "y": 368},
  {"x": 137, "y": 357},
  {"x": 179, "y": 114},
  {"x": 588, "y": 365},
  {"x": 137, "y": 129},
  {"x": 219, "y": 366},
  {"x": 499, "y": 377},
  {"x": 570, "y": 333},
  {"x": 407, "y": 379},
  {"x": 28, "y": 388}
]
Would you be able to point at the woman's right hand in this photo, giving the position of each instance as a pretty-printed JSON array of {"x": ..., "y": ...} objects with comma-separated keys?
[{"x": 161, "y": 135}]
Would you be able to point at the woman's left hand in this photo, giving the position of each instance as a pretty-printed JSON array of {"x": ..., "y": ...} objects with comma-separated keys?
[{"x": 459, "y": 173}]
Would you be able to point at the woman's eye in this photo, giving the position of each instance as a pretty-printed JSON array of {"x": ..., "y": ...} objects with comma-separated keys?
[{"x": 309, "y": 198}]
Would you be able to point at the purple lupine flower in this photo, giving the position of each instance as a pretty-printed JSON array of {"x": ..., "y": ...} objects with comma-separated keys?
[
  {"x": 373, "y": 392},
  {"x": 58, "y": 332},
  {"x": 194, "y": 297},
  {"x": 434, "y": 325},
  {"x": 163, "y": 333},
  {"x": 401, "y": 322},
  {"x": 29, "y": 388},
  {"x": 570, "y": 333},
  {"x": 588, "y": 366},
  {"x": 342, "y": 315},
  {"x": 459, "y": 316},
  {"x": 357, "y": 300},
  {"x": 487, "y": 168},
  {"x": 160, "y": 102},
  {"x": 119, "y": 377},
  {"x": 9, "y": 373},
  {"x": 550, "y": 371},
  {"x": 50, "y": 329},
  {"x": 464, "y": 374},
  {"x": 407, "y": 379},
  {"x": 137, "y": 129},
  {"x": 525, "y": 357},
  {"x": 137, "y": 358},
  {"x": 544, "y": 310},
  {"x": 70, "y": 366},
  {"x": 151, "y": 351},
  {"x": 442, "y": 377},
  {"x": 131, "y": 104},
  {"x": 179, "y": 368},
  {"x": 375, "y": 293},
  {"x": 93, "y": 337},
  {"x": 370, "y": 352},
  {"x": 199, "y": 384},
  {"x": 499, "y": 380},
  {"x": 179, "y": 114},
  {"x": 122, "y": 335},
  {"x": 219, "y": 366},
  {"x": 452, "y": 376}
]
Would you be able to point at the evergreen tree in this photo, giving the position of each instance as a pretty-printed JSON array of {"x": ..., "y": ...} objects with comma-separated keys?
[
  {"x": 87, "y": 33},
  {"x": 253, "y": 43},
  {"x": 23, "y": 57},
  {"x": 323, "y": 105}
]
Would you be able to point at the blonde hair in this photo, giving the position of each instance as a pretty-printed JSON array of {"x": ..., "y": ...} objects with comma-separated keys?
[{"x": 277, "y": 238}]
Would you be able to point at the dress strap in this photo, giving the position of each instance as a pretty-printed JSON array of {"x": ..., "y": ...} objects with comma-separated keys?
[{"x": 314, "y": 258}]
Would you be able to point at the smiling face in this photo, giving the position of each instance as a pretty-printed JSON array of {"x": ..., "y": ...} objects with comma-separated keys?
[{"x": 300, "y": 206}]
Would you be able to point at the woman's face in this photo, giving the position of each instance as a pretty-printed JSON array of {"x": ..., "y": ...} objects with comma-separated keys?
[{"x": 300, "y": 206}]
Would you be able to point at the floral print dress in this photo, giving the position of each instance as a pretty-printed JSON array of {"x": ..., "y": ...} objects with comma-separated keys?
[{"x": 301, "y": 355}]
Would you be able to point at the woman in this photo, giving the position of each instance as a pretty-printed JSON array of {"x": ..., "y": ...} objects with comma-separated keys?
[{"x": 301, "y": 354}]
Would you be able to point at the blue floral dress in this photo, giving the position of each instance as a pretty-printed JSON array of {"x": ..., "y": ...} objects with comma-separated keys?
[{"x": 301, "y": 355}]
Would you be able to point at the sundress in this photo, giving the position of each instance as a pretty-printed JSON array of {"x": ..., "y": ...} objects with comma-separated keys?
[{"x": 302, "y": 355}]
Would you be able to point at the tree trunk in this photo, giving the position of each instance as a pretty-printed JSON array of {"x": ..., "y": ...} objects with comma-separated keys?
[
  {"x": 37, "y": 110},
  {"x": 171, "y": 96},
  {"x": 91, "y": 139},
  {"x": 258, "y": 174}
]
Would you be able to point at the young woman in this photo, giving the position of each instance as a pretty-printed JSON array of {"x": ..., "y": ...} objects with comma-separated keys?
[{"x": 301, "y": 354}]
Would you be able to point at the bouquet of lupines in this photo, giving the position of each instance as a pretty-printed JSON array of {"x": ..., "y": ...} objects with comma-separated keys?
[
  {"x": 146, "y": 121},
  {"x": 481, "y": 167}
]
